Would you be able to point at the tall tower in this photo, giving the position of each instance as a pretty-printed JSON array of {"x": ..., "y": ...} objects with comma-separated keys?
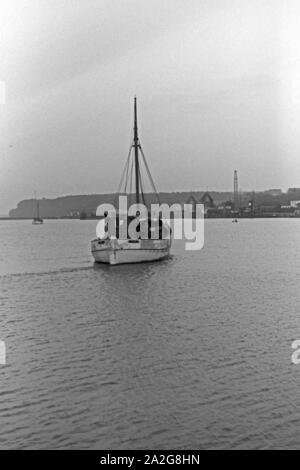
[{"x": 236, "y": 191}]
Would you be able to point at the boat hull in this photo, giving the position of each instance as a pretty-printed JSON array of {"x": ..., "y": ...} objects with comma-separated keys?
[
  {"x": 115, "y": 252},
  {"x": 37, "y": 222}
]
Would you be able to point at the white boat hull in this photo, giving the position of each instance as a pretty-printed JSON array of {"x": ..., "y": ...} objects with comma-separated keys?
[
  {"x": 128, "y": 251},
  {"x": 37, "y": 222}
]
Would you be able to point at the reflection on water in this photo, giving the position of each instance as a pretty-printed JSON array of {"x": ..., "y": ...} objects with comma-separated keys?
[{"x": 190, "y": 352}]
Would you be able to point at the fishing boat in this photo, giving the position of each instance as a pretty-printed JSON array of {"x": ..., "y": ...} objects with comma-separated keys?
[
  {"x": 116, "y": 249},
  {"x": 37, "y": 220}
]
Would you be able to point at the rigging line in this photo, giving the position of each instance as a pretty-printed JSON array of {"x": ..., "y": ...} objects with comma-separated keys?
[
  {"x": 149, "y": 174},
  {"x": 123, "y": 172},
  {"x": 126, "y": 177},
  {"x": 126, "y": 180},
  {"x": 141, "y": 186},
  {"x": 127, "y": 185},
  {"x": 131, "y": 182}
]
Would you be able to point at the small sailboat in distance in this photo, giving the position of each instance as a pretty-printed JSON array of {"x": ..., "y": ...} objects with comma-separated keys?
[
  {"x": 235, "y": 197},
  {"x": 37, "y": 220},
  {"x": 122, "y": 249}
]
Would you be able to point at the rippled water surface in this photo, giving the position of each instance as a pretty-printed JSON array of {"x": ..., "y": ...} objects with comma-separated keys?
[{"x": 192, "y": 352}]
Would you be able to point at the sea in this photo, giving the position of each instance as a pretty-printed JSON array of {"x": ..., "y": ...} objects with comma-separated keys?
[{"x": 193, "y": 352}]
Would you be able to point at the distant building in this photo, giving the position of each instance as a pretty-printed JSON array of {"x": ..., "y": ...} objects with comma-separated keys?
[
  {"x": 207, "y": 201},
  {"x": 273, "y": 192},
  {"x": 293, "y": 191},
  {"x": 191, "y": 200},
  {"x": 249, "y": 210},
  {"x": 74, "y": 214},
  {"x": 276, "y": 211},
  {"x": 295, "y": 204},
  {"x": 228, "y": 205}
]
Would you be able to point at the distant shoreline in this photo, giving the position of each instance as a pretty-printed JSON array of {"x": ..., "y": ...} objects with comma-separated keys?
[
  {"x": 45, "y": 218},
  {"x": 3, "y": 219},
  {"x": 269, "y": 203}
]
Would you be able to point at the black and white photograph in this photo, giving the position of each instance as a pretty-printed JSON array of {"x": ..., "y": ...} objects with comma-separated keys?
[{"x": 149, "y": 228}]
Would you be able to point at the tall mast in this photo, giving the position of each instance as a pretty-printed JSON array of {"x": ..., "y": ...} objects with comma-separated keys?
[
  {"x": 236, "y": 191},
  {"x": 136, "y": 155},
  {"x": 37, "y": 205}
]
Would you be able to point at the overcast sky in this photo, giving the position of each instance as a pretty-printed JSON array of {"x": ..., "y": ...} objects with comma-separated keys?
[{"x": 217, "y": 81}]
